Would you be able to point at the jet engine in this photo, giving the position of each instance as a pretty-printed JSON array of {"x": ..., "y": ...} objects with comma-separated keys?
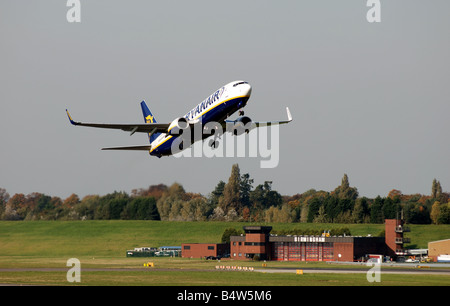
[
  {"x": 242, "y": 125},
  {"x": 177, "y": 126}
]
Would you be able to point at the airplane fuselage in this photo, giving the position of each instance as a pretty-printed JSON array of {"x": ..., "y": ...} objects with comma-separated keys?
[{"x": 216, "y": 108}]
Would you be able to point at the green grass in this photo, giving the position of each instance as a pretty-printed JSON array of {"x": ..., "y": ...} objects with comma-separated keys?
[
  {"x": 180, "y": 278},
  {"x": 102, "y": 244},
  {"x": 113, "y": 238},
  {"x": 100, "y": 238}
]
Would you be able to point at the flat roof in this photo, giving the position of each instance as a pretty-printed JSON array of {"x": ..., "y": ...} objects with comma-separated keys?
[
  {"x": 257, "y": 229},
  {"x": 307, "y": 238},
  {"x": 170, "y": 247},
  {"x": 443, "y": 240}
]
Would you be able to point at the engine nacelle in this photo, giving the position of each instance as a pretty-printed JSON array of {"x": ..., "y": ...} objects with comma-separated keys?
[
  {"x": 242, "y": 125},
  {"x": 176, "y": 127}
]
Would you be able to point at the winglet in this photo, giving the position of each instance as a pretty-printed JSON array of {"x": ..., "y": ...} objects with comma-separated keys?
[
  {"x": 70, "y": 118},
  {"x": 289, "y": 114}
]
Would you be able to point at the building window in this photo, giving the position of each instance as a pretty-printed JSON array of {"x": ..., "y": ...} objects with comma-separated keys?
[
  {"x": 210, "y": 247},
  {"x": 234, "y": 243},
  {"x": 187, "y": 247},
  {"x": 328, "y": 251},
  {"x": 240, "y": 254},
  {"x": 255, "y": 243},
  {"x": 312, "y": 251}
]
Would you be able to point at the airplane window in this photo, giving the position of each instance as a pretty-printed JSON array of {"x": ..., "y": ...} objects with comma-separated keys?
[{"x": 239, "y": 83}]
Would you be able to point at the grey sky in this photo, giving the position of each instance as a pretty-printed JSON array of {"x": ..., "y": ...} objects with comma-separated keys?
[{"x": 370, "y": 100}]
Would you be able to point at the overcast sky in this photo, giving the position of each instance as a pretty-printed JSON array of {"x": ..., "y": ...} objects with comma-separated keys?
[{"x": 368, "y": 99}]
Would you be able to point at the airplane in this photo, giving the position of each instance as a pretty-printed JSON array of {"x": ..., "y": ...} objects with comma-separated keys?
[{"x": 217, "y": 107}]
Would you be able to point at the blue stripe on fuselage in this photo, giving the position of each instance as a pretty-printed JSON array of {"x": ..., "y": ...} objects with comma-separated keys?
[{"x": 217, "y": 114}]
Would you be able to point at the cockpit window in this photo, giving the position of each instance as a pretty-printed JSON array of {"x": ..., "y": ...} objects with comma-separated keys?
[{"x": 239, "y": 83}]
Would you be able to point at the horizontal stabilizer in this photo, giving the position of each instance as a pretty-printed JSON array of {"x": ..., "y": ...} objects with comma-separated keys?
[{"x": 132, "y": 148}]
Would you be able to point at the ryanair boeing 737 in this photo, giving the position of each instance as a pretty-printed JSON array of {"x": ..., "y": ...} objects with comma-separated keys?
[{"x": 214, "y": 109}]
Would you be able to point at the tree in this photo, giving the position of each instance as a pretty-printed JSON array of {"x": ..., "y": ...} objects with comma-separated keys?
[
  {"x": 141, "y": 208},
  {"x": 85, "y": 210},
  {"x": 257, "y": 198},
  {"x": 202, "y": 209},
  {"x": 344, "y": 191},
  {"x": 218, "y": 214},
  {"x": 434, "y": 189},
  {"x": 333, "y": 206},
  {"x": 390, "y": 209},
  {"x": 435, "y": 212},
  {"x": 245, "y": 188},
  {"x": 228, "y": 232},
  {"x": 444, "y": 216},
  {"x": 110, "y": 206},
  {"x": 218, "y": 191},
  {"x": 216, "y": 194},
  {"x": 376, "y": 213},
  {"x": 246, "y": 214},
  {"x": 262, "y": 197},
  {"x": 71, "y": 201},
  {"x": 321, "y": 216},
  {"x": 273, "y": 198},
  {"x": 15, "y": 207},
  {"x": 4, "y": 197},
  {"x": 195, "y": 209},
  {"x": 359, "y": 210},
  {"x": 170, "y": 204},
  {"x": 394, "y": 193},
  {"x": 155, "y": 191},
  {"x": 438, "y": 190},
  {"x": 175, "y": 211},
  {"x": 48, "y": 208},
  {"x": 232, "y": 215},
  {"x": 231, "y": 193},
  {"x": 313, "y": 209}
]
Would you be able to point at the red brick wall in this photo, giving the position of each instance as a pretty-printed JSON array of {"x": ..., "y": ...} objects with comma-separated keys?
[
  {"x": 345, "y": 249},
  {"x": 198, "y": 250},
  {"x": 237, "y": 247},
  {"x": 255, "y": 237},
  {"x": 390, "y": 235}
]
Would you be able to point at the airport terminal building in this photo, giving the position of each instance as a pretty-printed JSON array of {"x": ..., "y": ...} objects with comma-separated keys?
[{"x": 257, "y": 242}]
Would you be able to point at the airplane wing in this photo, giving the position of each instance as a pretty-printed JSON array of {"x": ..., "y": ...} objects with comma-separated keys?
[
  {"x": 276, "y": 122},
  {"x": 132, "y": 148},
  {"x": 266, "y": 123},
  {"x": 133, "y": 128}
]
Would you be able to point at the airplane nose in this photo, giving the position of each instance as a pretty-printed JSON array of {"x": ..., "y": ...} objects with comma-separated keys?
[{"x": 246, "y": 90}]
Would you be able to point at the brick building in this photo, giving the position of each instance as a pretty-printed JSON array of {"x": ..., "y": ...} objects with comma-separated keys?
[
  {"x": 200, "y": 250},
  {"x": 439, "y": 250},
  {"x": 257, "y": 242},
  {"x": 394, "y": 231}
]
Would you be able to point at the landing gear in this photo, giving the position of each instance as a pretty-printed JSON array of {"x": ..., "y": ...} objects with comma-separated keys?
[
  {"x": 213, "y": 143},
  {"x": 241, "y": 112}
]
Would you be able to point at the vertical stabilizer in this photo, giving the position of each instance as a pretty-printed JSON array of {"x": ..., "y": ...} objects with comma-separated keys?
[{"x": 149, "y": 118}]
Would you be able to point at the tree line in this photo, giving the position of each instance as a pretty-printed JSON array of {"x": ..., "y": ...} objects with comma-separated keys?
[{"x": 235, "y": 200}]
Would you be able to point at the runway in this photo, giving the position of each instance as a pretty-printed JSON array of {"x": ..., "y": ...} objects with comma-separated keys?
[{"x": 356, "y": 270}]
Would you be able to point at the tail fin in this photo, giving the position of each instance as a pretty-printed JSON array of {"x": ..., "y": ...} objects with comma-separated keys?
[{"x": 149, "y": 118}]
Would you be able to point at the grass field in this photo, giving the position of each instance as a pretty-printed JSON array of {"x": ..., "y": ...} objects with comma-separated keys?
[{"x": 102, "y": 245}]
